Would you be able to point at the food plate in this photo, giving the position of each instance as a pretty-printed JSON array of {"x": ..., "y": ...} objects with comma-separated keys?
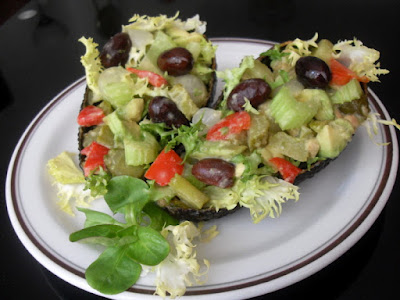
[{"x": 335, "y": 209}]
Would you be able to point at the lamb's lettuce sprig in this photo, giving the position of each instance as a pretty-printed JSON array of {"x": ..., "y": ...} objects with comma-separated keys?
[{"x": 129, "y": 244}]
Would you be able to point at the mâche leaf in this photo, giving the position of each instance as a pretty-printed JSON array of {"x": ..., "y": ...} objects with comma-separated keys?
[
  {"x": 97, "y": 218},
  {"x": 150, "y": 249},
  {"x": 108, "y": 231},
  {"x": 125, "y": 190},
  {"x": 113, "y": 271},
  {"x": 159, "y": 218}
]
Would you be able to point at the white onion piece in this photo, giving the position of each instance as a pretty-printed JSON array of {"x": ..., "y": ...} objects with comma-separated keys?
[
  {"x": 209, "y": 117},
  {"x": 194, "y": 86}
]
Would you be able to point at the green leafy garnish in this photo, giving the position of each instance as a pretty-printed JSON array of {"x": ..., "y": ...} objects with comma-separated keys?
[
  {"x": 189, "y": 137},
  {"x": 129, "y": 245},
  {"x": 252, "y": 165},
  {"x": 97, "y": 183},
  {"x": 274, "y": 53},
  {"x": 160, "y": 130},
  {"x": 114, "y": 271},
  {"x": 262, "y": 195}
]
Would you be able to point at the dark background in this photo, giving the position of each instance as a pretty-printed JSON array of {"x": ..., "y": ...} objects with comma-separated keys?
[{"x": 39, "y": 57}]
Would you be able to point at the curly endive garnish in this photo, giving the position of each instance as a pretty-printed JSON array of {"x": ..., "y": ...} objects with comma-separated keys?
[
  {"x": 371, "y": 124},
  {"x": 299, "y": 48},
  {"x": 182, "y": 268}
]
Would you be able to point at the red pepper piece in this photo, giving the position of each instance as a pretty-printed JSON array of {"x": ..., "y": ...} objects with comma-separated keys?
[
  {"x": 234, "y": 123},
  {"x": 90, "y": 115},
  {"x": 164, "y": 168},
  {"x": 154, "y": 79},
  {"x": 94, "y": 157},
  {"x": 288, "y": 170},
  {"x": 341, "y": 75}
]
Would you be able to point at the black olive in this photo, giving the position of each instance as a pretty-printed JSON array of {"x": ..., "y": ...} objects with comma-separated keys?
[
  {"x": 255, "y": 90},
  {"x": 214, "y": 171},
  {"x": 164, "y": 110},
  {"x": 116, "y": 51},
  {"x": 176, "y": 61},
  {"x": 313, "y": 72}
]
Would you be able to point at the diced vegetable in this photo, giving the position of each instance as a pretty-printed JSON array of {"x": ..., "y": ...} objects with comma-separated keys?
[
  {"x": 348, "y": 92},
  {"x": 187, "y": 192},
  {"x": 219, "y": 149},
  {"x": 325, "y": 111},
  {"x": 116, "y": 164},
  {"x": 232, "y": 124},
  {"x": 257, "y": 136},
  {"x": 154, "y": 79},
  {"x": 116, "y": 86},
  {"x": 288, "y": 170},
  {"x": 91, "y": 115},
  {"x": 141, "y": 151},
  {"x": 94, "y": 157},
  {"x": 283, "y": 144},
  {"x": 164, "y": 168},
  {"x": 290, "y": 113},
  {"x": 324, "y": 50}
]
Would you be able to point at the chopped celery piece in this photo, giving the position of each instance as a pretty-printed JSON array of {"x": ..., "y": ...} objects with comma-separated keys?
[
  {"x": 259, "y": 71},
  {"x": 290, "y": 113},
  {"x": 219, "y": 149},
  {"x": 257, "y": 135},
  {"x": 187, "y": 192},
  {"x": 133, "y": 110},
  {"x": 346, "y": 93},
  {"x": 325, "y": 112},
  {"x": 194, "y": 86},
  {"x": 182, "y": 99},
  {"x": 161, "y": 43},
  {"x": 324, "y": 50},
  {"x": 141, "y": 152},
  {"x": 121, "y": 128},
  {"x": 288, "y": 145},
  {"x": 105, "y": 137},
  {"x": 116, "y": 164},
  {"x": 116, "y": 86}
]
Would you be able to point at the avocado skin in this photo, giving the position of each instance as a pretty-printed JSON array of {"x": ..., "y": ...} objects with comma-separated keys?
[
  {"x": 82, "y": 129},
  {"x": 198, "y": 215},
  {"x": 318, "y": 166}
]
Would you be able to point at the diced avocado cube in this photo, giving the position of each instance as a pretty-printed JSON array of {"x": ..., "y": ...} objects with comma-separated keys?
[{"x": 334, "y": 137}]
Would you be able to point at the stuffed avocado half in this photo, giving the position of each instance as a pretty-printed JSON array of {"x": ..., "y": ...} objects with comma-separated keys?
[
  {"x": 152, "y": 57},
  {"x": 280, "y": 118}
]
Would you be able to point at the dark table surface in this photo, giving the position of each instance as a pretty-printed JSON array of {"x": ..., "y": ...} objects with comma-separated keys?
[{"x": 39, "y": 57}]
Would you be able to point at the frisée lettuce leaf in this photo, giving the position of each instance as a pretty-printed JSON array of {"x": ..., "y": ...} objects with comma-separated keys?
[
  {"x": 92, "y": 64},
  {"x": 181, "y": 268},
  {"x": 359, "y": 58},
  {"x": 262, "y": 195},
  {"x": 69, "y": 183}
]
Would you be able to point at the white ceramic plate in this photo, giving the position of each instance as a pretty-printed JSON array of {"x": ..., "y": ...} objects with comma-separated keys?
[{"x": 335, "y": 209}]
